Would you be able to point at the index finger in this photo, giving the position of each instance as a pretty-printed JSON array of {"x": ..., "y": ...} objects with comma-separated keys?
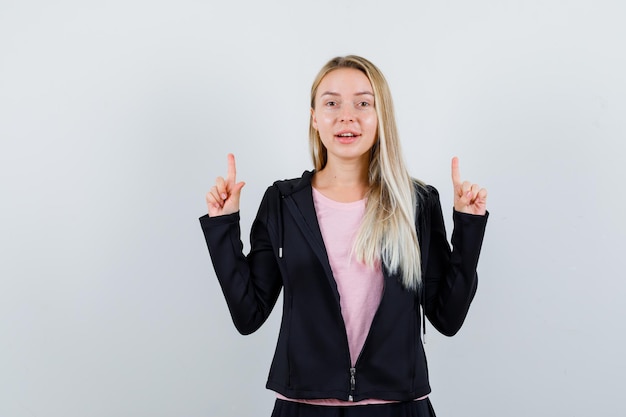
[
  {"x": 232, "y": 170},
  {"x": 456, "y": 175}
]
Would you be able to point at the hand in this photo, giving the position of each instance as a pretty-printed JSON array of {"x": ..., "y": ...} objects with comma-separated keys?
[
  {"x": 468, "y": 198},
  {"x": 223, "y": 198}
]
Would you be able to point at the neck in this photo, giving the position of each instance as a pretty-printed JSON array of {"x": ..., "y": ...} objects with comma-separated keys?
[{"x": 343, "y": 181}]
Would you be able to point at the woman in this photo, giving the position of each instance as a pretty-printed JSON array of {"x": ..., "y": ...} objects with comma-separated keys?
[{"x": 360, "y": 250}]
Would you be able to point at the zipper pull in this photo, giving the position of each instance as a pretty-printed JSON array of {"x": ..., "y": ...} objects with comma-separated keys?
[{"x": 352, "y": 383}]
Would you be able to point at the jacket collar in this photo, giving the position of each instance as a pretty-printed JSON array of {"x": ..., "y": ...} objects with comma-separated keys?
[
  {"x": 297, "y": 195},
  {"x": 288, "y": 187}
]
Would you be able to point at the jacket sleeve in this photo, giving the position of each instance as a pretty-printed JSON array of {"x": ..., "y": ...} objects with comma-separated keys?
[
  {"x": 450, "y": 277},
  {"x": 251, "y": 284}
]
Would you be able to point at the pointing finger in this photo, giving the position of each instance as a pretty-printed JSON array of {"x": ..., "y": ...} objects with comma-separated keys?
[
  {"x": 456, "y": 176},
  {"x": 232, "y": 169}
]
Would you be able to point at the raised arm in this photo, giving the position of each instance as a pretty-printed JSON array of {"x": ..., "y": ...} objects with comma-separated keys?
[
  {"x": 251, "y": 284},
  {"x": 450, "y": 277}
]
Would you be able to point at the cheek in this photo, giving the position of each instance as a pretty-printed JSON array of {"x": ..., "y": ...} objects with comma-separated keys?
[
  {"x": 324, "y": 121},
  {"x": 372, "y": 122}
]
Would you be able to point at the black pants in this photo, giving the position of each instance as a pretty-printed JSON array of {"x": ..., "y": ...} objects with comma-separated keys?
[{"x": 421, "y": 408}]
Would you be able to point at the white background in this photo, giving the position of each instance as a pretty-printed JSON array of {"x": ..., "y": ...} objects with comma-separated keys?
[{"x": 115, "y": 118}]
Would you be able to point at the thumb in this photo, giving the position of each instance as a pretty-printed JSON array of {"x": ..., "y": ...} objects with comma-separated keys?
[
  {"x": 231, "y": 204},
  {"x": 237, "y": 187},
  {"x": 235, "y": 192}
]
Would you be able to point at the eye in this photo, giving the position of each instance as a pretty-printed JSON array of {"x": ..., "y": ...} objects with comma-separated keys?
[
  {"x": 331, "y": 103},
  {"x": 364, "y": 104}
]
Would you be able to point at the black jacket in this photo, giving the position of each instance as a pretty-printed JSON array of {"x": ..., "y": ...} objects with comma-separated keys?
[{"x": 312, "y": 359}]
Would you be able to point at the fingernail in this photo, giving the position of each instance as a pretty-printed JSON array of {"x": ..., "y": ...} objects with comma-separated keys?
[{"x": 224, "y": 195}]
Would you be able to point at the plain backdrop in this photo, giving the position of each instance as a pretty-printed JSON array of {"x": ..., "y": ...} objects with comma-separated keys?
[{"x": 116, "y": 117}]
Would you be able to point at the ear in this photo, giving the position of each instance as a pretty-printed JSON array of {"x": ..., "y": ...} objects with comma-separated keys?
[{"x": 313, "y": 119}]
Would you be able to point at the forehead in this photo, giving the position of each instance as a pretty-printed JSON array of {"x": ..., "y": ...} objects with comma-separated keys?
[{"x": 345, "y": 81}]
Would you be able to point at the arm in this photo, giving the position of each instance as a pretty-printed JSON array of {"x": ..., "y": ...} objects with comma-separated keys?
[
  {"x": 250, "y": 284},
  {"x": 450, "y": 276}
]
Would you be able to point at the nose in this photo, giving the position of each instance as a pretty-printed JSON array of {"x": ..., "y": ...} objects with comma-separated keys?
[{"x": 347, "y": 114}]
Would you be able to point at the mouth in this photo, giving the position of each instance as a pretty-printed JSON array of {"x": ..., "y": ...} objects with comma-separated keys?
[{"x": 347, "y": 136}]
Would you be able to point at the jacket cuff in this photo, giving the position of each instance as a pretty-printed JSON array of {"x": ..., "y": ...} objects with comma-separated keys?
[
  {"x": 208, "y": 221},
  {"x": 465, "y": 217},
  {"x": 468, "y": 234}
]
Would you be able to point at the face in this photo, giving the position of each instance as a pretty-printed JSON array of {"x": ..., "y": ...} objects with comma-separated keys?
[{"x": 345, "y": 115}]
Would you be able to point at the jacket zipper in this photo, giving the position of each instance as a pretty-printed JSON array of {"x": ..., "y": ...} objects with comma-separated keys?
[
  {"x": 352, "y": 383},
  {"x": 353, "y": 368}
]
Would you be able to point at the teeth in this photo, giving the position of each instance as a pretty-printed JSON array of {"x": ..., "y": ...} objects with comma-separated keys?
[{"x": 346, "y": 135}]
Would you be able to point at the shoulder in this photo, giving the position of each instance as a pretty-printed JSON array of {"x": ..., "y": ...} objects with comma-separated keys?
[
  {"x": 290, "y": 186},
  {"x": 425, "y": 194},
  {"x": 283, "y": 188}
]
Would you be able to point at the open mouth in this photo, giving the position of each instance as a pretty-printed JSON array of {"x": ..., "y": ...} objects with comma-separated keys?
[{"x": 347, "y": 137}]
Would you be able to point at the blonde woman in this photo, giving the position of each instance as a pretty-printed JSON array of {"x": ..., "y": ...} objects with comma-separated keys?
[{"x": 359, "y": 249}]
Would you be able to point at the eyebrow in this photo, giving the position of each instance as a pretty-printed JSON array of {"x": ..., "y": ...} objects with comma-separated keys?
[{"x": 360, "y": 93}]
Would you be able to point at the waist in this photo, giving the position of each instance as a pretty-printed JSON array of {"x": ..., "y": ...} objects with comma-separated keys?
[{"x": 336, "y": 402}]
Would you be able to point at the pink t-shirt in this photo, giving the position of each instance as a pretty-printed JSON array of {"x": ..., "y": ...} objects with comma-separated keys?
[{"x": 360, "y": 288}]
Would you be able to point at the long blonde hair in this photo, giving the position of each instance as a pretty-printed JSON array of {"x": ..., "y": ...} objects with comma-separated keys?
[{"x": 387, "y": 233}]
